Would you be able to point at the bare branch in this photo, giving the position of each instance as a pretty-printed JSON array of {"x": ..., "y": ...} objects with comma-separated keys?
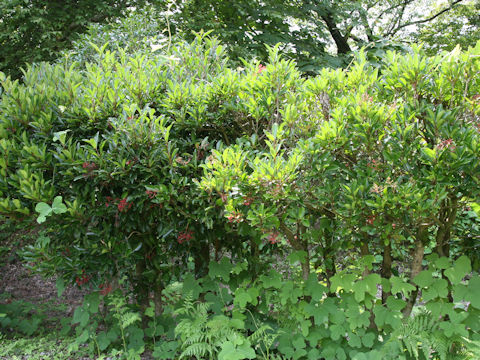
[
  {"x": 393, "y": 7},
  {"x": 452, "y": 5},
  {"x": 399, "y": 16}
]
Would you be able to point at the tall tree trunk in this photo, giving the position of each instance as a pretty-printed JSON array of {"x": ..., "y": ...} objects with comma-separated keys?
[{"x": 340, "y": 40}]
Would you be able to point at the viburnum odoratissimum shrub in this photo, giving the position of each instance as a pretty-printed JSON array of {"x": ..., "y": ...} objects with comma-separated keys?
[
  {"x": 368, "y": 160},
  {"x": 368, "y": 169},
  {"x": 121, "y": 141},
  {"x": 167, "y": 162}
]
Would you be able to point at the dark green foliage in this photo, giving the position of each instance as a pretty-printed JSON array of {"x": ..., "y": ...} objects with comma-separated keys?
[
  {"x": 321, "y": 34},
  {"x": 316, "y": 34},
  {"x": 246, "y": 27},
  {"x": 20, "y": 316}
]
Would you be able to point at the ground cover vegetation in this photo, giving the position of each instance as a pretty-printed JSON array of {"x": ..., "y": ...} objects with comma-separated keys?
[{"x": 210, "y": 212}]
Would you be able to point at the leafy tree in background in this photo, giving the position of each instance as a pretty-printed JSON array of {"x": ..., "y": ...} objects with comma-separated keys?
[
  {"x": 314, "y": 33},
  {"x": 141, "y": 31},
  {"x": 247, "y": 26},
  {"x": 460, "y": 26},
  {"x": 36, "y": 30}
]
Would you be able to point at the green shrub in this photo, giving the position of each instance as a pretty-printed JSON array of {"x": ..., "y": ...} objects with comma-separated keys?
[
  {"x": 108, "y": 142},
  {"x": 315, "y": 201},
  {"x": 385, "y": 160},
  {"x": 141, "y": 31}
]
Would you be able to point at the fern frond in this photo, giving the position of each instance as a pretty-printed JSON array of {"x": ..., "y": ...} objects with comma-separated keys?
[
  {"x": 195, "y": 338},
  {"x": 201, "y": 336},
  {"x": 472, "y": 349},
  {"x": 198, "y": 350},
  {"x": 129, "y": 318},
  {"x": 419, "y": 334},
  {"x": 260, "y": 332}
]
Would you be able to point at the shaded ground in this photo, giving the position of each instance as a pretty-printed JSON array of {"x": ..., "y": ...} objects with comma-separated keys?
[{"x": 18, "y": 283}]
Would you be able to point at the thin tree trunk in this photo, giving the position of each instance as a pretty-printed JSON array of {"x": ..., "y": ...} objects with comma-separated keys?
[
  {"x": 202, "y": 259},
  {"x": 416, "y": 267},
  {"x": 448, "y": 214},
  {"x": 328, "y": 258},
  {"x": 386, "y": 268},
  {"x": 298, "y": 245},
  {"x": 141, "y": 290},
  {"x": 364, "y": 251},
  {"x": 306, "y": 265},
  {"x": 157, "y": 297},
  {"x": 255, "y": 254}
]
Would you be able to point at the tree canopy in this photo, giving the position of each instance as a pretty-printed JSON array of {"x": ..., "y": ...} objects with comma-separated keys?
[
  {"x": 461, "y": 26},
  {"x": 314, "y": 33},
  {"x": 323, "y": 33}
]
